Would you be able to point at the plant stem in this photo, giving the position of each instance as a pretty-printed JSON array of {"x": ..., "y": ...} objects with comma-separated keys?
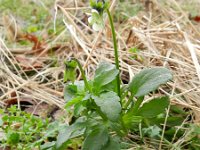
[
  {"x": 83, "y": 75},
  {"x": 129, "y": 101},
  {"x": 116, "y": 51},
  {"x": 137, "y": 104}
]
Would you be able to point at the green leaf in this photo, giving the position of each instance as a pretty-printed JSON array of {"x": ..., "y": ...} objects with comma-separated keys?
[
  {"x": 70, "y": 132},
  {"x": 78, "y": 109},
  {"x": 130, "y": 120},
  {"x": 152, "y": 131},
  {"x": 118, "y": 127},
  {"x": 74, "y": 101},
  {"x": 96, "y": 140},
  {"x": 13, "y": 138},
  {"x": 80, "y": 86},
  {"x": 74, "y": 91},
  {"x": 53, "y": 128},
  {"x": 109, "y": 104},
  {"x": 109, "y": 87},
  {"x": 111, "y": 145},
  {"x": 148, "y": 80},
  {"x": 105, "y": 73},
  {"x": 69, "y": 92},
  {"x": 64, "y": 136},
  {"x": 154, "y": 107},
  {"x": 47, "y": 146}
]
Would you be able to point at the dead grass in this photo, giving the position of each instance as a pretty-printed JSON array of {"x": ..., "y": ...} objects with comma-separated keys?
[{"x": 162, "y": 32}]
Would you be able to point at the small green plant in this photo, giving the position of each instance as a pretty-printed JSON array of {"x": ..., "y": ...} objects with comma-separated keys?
[
  {"x": 134, "y": 54},
  {"x": 22, "y": 131},
  {"x": 107, "y": 110}
]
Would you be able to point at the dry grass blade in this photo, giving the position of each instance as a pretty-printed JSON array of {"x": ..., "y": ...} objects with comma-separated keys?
[{"x": 193, "y": 54}]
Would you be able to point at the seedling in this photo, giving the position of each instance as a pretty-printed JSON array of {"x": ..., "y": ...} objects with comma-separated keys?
[
  {"x": 21, "y": 130},
  {"x": 105, "y": 109}
]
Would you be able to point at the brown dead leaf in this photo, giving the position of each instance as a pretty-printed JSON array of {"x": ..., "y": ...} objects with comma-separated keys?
[
  {"x": 22, "y": 100},
  {"x": 194, "y": 18},
  {"x": 38, "y": 45}
]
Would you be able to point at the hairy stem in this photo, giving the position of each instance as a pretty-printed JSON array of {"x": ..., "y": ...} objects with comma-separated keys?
[{"x": 116, "y": 51}]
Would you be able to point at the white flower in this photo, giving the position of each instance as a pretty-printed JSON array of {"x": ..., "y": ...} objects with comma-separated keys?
[
  {"x": 94, "y": 11},
  {"x": 90, "y": 20},
  {"x": 96, "y": 27},
  {"x": 96, "y": 20}
]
